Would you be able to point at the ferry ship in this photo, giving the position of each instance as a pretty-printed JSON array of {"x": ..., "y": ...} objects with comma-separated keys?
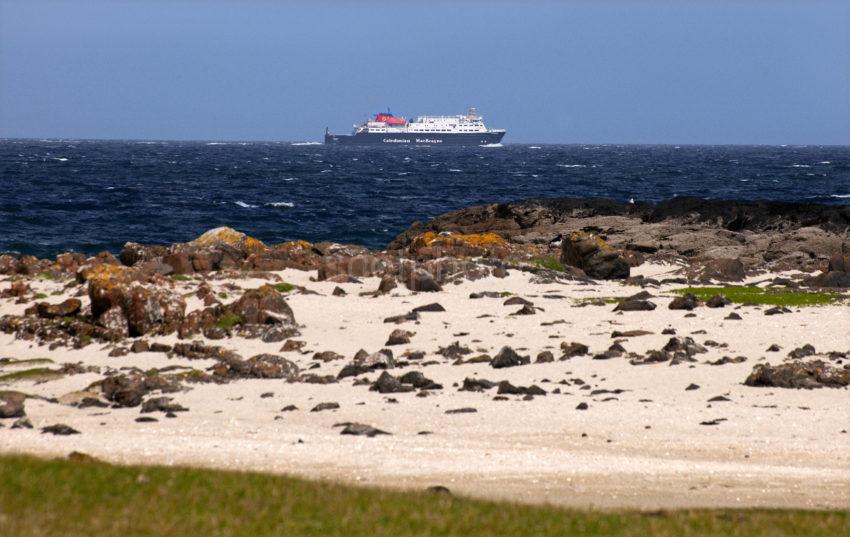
[{"x": 386, "y": 129}]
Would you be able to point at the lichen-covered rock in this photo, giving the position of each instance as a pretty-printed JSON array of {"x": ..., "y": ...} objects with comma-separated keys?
[
  {"x": 420, "y": 280},
  {"x": 798, "y": 374},
  {"x": 507, "y": 357},
  {"x": 147, "y": 308},
  {"x": 12, "y": 404},
  {"x": 446, "y": 244},
  {"x": 261, "y": 366},
  {"x": 363, "y": 265},
  {"x": 264, "y": 305},
  {"x": 107, "y": 285},
  {"x": 225, "y": 237},
  {"x": 65, "y": 308},
  {"x": 594, "y": 256},
  {"x": 723, "y": 269}
]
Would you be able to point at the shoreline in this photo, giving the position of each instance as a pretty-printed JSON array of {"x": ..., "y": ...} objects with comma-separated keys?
[{"x": 275, "y": 327}]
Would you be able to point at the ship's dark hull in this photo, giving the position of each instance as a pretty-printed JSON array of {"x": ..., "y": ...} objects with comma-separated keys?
[{"x": 445, "y": 138}]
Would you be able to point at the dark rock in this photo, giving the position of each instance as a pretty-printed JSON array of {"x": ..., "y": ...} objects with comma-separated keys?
[
  {"x": 517, "y": 301},
  {"x": 802, "y": 352},
  {"x": 797, "y": 374},
  {"x": 733, "y": 317},
  {"x": 476, "y": 385},
  {"x": 582, "y": 406},
  {"x": 269, "y": 366},
  {"x": 718, "y": 301},
  {"x": 573, "y": 349},
  {"x": 420, "y": 381},
  {"x": 361, "y": 429},
  {"x": 686, "y": 302},
  {"x": 339, "y": 291},
  {"x": 12, "y": 404},
  {"x": 146, "y": 419},
  {"x": 420, "y": 280},
  {"x": 264, "y": 305},
  {"x": 140, "y": 345},
  {"x": 723, "y": 270},
  {"x": 66, "y": 308},
  {"x": 398, "y": 319},
  {"x": 635, "y": 305},
  {"x": 507, "y": 357},
  {"x": 669, "y": 332},
  {"x": 454, "y": 351},
  {"x": 289, "y": 408},
  {"x": 727, "y": 360},
  {"x": 399, "y": 337},
  {"x": 545, "y": 357},
  {"x": 387, "y": 383},
  {"x": 525, "y": 310},
  {"x": 387, "y": 284},
  {"x": 777, "y": 310},
  {"x": 439, "y": 490},
  {"x": 465, "y": 410},
  {"x": 59, "y": 429},
  {"x": 506, "y": 388},
  {"x": 162, "y": 404},
  {"x": 718, "y": 399},
  {"x": 324, "y": 406},
  {"x": 692, "y": 387},
  {"x": 774, "y": 348},
  {"x": 22, "y": 423},
  {"x": 433, "y": 307},
  {"x": 630, "y": 333}
]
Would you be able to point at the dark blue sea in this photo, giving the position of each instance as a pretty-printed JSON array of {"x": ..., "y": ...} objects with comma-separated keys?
[{"x": 90, "y": 196}]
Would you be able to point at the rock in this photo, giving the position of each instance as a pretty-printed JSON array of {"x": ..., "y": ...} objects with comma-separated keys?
[
  {"x": 264, "y": 305},
  {"x": 630, "y": 333},
  {"x": 582, "y": 406},
  {"x": 361, "y": 429},
  {"x": 225, "y": 238},
  {"x": 507, "y": 357},
  {"x": 719, "y": 399},
  {"x": 124, "y": 390},
  {"x": 545, "y": 357},
  {"x": 419, "y": 381},
  {"x": 59, "y": 429},
  {"x": 465, "y": 410},
  {"x": 525, "y": 310},
  {"x": 733, "y": 317},
  {"x": 476, "y": 385},
  {"x": 774, "y": 348},
  {"x": 728, "y": 360},
  {"x": 635, "y": 305},
  {"x": 398, "y": 319},
  {"x": 507, "y": 388},
  {"x": 66, "y": 308},
  {"x": 594, "y": 256},
  {"x": 399, "y": 337},
  {"x": 293, "y": 345},
  {"x": 12, "y": 404},
  {"x": 802, "y": 352},
  {"x": 439, "y": 490},
  {"x": 420, "y": 280},
  {"x": 433, "y": 307},
  {"x": 797, "y": 374},
  {"x": 327, "y": 356},
  {"x": 833, "y": 278},
  {"x": 718, "y": 301},
  {"x": 387, "y": 383},
  {"x": 692, "y": 387},
  {"x": 269, "y": 366},
  {"x": 22, "y": 423},
  {"x": 339, "y": 291},
  {"x": 140, "y": 345},
  {"x": 573, "y": 349},
  {"x": 723, "y": 269},
  {"x": 454, "y": 351},
  {"x": 387, "y": 284},
  {"x": 162, "y": 404},
  {"x": 114, "y": 320},
  {"x": 147, "y": 308},
  {"x": 776, "y": 310},
  {"x": 686, "y": 302},
  {"x": 324, "y": 406},
  {"x": 517, "y": 301},
  {"x": 146, "y": 419}
]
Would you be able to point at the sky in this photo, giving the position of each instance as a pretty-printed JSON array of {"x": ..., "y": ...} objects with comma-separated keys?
[{"x": 638, "y": 71}]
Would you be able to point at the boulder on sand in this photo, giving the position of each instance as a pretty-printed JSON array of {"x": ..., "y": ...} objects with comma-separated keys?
[{"x": 594, "y": 256}]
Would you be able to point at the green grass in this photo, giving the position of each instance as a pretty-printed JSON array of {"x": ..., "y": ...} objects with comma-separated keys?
[
  {"x": 777, "y": 296},
  {"x": 28, "y": 361},
  {"x": 40, "y": 296},
  {"x": 550, "y": 263},
  {"x": 43, "y": 275},
  {"x": 228, "y": 321},
  {"x": 58, "y": 497},
  {"x": 36, "y": 374},
  {"x": 283, "y": 287},
  {"x": 181, "y": 278}
]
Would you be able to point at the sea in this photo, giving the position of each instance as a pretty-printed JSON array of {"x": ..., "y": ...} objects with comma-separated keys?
[{"x": 89, "y": 196}]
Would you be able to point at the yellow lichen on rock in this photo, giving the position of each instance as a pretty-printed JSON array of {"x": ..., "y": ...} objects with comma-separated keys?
[
  {"x": 107, "y": 273},
  {"x": 228, "y": 236},
  {"x": 579, "y": 236},
  {"x": 295, "y": 245},
  {"x": 482, "y": 240}
]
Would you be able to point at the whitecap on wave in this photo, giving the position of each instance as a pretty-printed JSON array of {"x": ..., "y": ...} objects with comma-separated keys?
[
  {"x": 455, "y": 170},
  {"x": 60, "y": 159},
  {"x": 290, "y": 178},
  {"x": 492, "y": 145},
  {"x": 245, "y": 205},
  {"x": 280, "y": 204},
  {"x": 306, "y": 143},
  {"x": 534, "y": 147},
  {"x": 840, "y": 196},
  {"x": 572, "y": 166},
  {"x": 800, "y": 166}
]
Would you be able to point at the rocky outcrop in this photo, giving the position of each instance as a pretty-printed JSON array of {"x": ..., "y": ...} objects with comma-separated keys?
[
  {"x": 799, "y": 374},
  {"x": 594, "y": 256}
]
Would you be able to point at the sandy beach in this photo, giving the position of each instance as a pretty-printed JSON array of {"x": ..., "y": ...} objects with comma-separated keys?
[{"x": 646, "y": 440}]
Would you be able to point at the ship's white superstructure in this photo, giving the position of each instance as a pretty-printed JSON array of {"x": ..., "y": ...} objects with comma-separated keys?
[{"x": 386, "y": 123}]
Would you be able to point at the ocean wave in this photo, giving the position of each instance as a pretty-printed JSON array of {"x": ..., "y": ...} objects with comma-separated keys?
[
  {"x": 572, "y": 165},
  {"x": 60, "y": 159},
  {"x": 800, "y": 166},
  {"x": 840, "y": 196},
  {"x": 290, "y": 178},
  {"x": 824, "y": 162},
  {"x": 306, "y": 143},
  {"x": 534, "y": 147},
  {"x": 492, "y": 145},
  {"x": 280, "y": 204},
  {"x": 455, "y": 170},
  {"x": 245, "y": 205}
]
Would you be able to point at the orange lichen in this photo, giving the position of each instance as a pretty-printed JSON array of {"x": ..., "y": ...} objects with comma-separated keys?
[
  {"x": 481, "y": 240},
  {"x": 579, "y": 236},
  {"x": 295, "y": 245},
  {"x": 230, "y": 237}
]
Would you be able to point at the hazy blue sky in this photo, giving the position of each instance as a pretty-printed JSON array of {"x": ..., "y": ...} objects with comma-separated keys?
[{"x": 748, "y": 71}]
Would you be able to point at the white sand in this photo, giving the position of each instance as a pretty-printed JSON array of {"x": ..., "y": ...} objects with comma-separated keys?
[{"x": 779, "y": 447}]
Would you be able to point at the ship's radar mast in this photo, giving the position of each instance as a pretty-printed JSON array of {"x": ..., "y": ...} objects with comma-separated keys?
[{"x": 472, "y": 114}]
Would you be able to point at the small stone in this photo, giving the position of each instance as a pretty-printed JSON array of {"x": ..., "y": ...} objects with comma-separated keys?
[
  {"x": 582, "y": 406},
  {"x": 325, "y": 406},
  {"x": 465, "y": 410},
  {"x": 59, "y": 429},
  {"x": 692, "y": 387}
]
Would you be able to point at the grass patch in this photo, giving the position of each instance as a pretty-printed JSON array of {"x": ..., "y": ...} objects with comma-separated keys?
[
  {"x": 550, "y": 263},
  {"x": 228, "y": 321},
  {"x": 57, "y": 497},
  {"x": 283, "y": 287},
  {"x": 38, "y": 374},
  {"x": 222, "y": 295},
  {"x": 777, "y": 296},
  {"x": 44, "y": 275},
  {"x": 39, "y": 296},
  {"x": 181, "y": 278}
]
